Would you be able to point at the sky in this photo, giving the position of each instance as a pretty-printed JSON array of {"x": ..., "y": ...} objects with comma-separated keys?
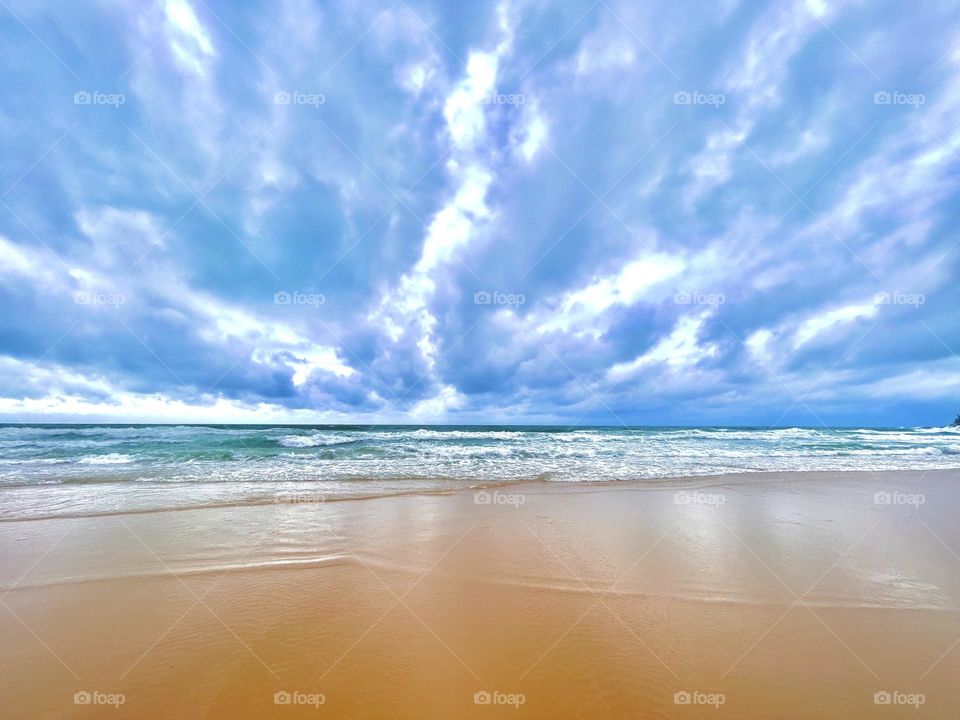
[{"x": 524, "y": 211}]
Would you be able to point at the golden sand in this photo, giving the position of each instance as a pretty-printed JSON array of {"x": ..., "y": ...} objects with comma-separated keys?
[{"x": 746, "y": 597}]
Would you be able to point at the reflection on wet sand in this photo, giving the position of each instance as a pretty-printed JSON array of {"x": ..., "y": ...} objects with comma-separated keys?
[{"x": 782, "y": 596}]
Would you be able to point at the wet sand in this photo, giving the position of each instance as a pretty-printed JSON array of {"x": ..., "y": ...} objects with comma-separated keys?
[{"x": 774, "y": 596}]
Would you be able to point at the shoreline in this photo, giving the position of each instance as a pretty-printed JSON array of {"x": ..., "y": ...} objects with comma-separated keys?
[{"x": 635, "y": 485}]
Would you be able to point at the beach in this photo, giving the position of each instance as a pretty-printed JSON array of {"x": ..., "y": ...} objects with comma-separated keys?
[
  {"x": 427, "y": 360},
  {"x": 748, "y": 595}
]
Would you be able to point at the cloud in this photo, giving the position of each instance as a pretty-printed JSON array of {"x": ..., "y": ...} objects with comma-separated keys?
[
  {"x": 679, "y": 259},
  {"x": 678, "y": 349},
  {"x": 581, "y": 309},
  {"x": 822, "y": 322},
  {"x": 464, "y": 109},
  {"x": 188, "y": 40}
]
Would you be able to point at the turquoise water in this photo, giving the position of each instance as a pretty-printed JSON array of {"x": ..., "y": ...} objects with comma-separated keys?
[{"x": 79, "y": 469}]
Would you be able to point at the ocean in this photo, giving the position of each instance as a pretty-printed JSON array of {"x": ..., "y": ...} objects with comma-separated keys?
[{"x": 79, "y": 470}]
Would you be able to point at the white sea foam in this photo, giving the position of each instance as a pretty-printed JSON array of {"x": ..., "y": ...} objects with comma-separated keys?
[
  {"x": 424, "y": 434},
  {"x": 228, "y": 463},
  {"x": 315, "y": 440},
  {"x": 108, "y": 459},
  {"x": 33, "y": 461}
]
